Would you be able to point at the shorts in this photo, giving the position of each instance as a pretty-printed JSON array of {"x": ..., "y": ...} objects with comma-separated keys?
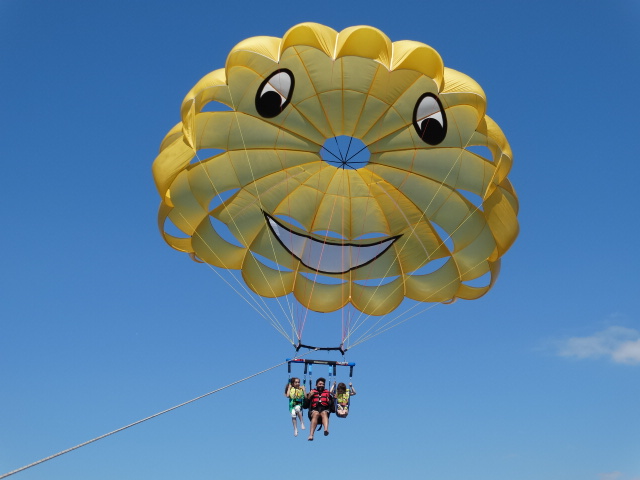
[
  {"x": 295, "y": 410},
  {"x": 319, "y": 409}
]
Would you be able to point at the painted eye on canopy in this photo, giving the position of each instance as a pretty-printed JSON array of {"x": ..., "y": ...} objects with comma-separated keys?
[
  {"x": 274, "y": 93},
  {"x": 429, "y": 119}
]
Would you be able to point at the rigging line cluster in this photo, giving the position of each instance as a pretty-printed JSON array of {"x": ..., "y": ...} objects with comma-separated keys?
[
  {"x": 363, "y": 338},
  {"x": 359, "y": 321},
  {"x": 270, "y": 316},
  {"x": 263, "y": 310}
]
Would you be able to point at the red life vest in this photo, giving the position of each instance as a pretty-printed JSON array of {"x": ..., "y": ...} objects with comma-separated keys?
[{"x": 317, "y": 398}]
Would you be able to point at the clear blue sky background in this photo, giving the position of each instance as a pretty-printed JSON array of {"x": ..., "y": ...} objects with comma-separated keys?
[{"x": 103, "y": 324}]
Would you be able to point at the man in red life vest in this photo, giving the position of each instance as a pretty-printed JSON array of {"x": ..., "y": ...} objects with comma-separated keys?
[{"x": 320, "y": 401}]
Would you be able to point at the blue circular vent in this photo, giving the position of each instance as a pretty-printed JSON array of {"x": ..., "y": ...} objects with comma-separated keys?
[{"x": 345, "y": 152}]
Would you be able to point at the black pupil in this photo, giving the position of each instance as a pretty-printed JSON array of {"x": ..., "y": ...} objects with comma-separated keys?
[
  {"x": 432, "y": 131},
  {"x": 269, "y": 104}
]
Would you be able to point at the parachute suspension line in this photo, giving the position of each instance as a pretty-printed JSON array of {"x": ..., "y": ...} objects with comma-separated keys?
[
  {"x": 468, "y": 217},
  {"x": 354, "y": 325},
  {"x": 51, "y": 457},
  {"x": 264, "y": 311},
  {"x": 303, "y": 316},
  {"x": 406, "y": 312},
  {"x": 288, "y": 312},
  {"x": 342, "y": 332},
  {"x": 333, "y": 209},
  {"x": 363, "y": 338},
  {"x": 361, "y": 318},
  {"x": 294, "y": 327},
  {"x": 346, "y": 325},
  {"x": 289, "y": 315},
  {"x": 369, "y": 267}
]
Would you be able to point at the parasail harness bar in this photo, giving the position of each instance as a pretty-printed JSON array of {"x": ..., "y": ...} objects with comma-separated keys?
[
  {"x": 340, "y": 349},
  {"x": 308, "y": 365}
]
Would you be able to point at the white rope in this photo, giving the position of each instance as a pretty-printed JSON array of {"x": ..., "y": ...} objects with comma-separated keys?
[{"x": 135, "y": 423}]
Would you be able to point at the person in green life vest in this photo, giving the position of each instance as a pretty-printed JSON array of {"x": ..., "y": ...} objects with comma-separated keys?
[
  {"x": 320, "y": 401},
  {"x": 295, "y": 393},
  {"x": 342, "y": 398}
]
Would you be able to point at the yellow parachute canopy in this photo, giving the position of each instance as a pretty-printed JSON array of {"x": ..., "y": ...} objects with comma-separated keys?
[{"x": 343, "y": 168}]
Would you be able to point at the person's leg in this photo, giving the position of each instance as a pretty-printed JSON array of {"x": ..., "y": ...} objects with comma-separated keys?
[
  {"x": 295, "y": 423},
  {"x": 314, "y": 421},
  {"x": 325, "y": 422},
  {"x": 301, "y": 419}
]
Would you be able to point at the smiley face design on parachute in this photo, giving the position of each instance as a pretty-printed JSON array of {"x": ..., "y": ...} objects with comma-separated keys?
[{"x": 342, "y": 168}]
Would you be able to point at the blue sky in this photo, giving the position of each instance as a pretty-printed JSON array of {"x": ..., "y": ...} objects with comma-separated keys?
[{"x": 102, "y": 324}]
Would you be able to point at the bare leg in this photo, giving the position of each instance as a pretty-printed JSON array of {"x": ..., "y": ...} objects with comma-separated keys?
[
  {"x": 301, "y": 420},
  {"x": 314, "y": 423},
  {"x": 325, "y": 422},
  {"x": 295, "y": 427}
]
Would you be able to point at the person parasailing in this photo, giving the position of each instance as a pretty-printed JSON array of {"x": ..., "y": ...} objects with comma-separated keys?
[
  {"x": 296, "y": 394},
  {"x": 342, "y": 398},
  {"x": 320, "y": 402}
]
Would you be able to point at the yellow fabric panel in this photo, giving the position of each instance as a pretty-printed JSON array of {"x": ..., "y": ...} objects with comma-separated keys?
[
  {"x": 412, "y": 190},
  {"x": 358, "y": 75},
  {"x": 406, "y": 101},
  {"x": 473, "y": 100},
  {"x": 230, "y": 133},
  {"x": 455, "y": 168},
  {"x": 496, "y": 138},
  {"x": 331, "y": 103},
  {"x": 211, "y": 177},
  {"x": 467, "y": 292},
  {"x": 400, "y": 213},
  {"x": 268, "y": 246},
  {"x": 460, "y": 219},
  {"x": 169, "y": 163},
  {"x": 389, "y": 86},
  {"x": 421, "y": 58},
  {"x": 212, "y": 87},
  {"x": 267, "y": 47},
  {"x": 395, "y": 130},
  {"x": 211, "y": 248},
  {"x": 385, "y": 266},
  {"x": 320, "y": 297},
  {"x": 311, "y": 34},
  {"x": 365, "y": 218},
  {"x": 421, "y": 245},
  {"x": 242, "y": 215},
  {"x": 352, "y": 105},
  {"x": 439, "y": 286},
  {"x": 383, "y": 135},
  {"x": 174, "y": 134},
  {"x": 369, "y": 128},
  {"x": 378, "y": 300},
  {"x": 266, "y": 281},
  {"x": 501, "y": 217},
  {"x": 311, "y": 108},
  {"x": 461, "y": 89},
  {"x": 181, "y": 244},
  {"x": 471, "y": 258},
  {"x": 364, "y": 41},
  {"x": 187, "y": 212},
  {"x": 462, "y": 121}
]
